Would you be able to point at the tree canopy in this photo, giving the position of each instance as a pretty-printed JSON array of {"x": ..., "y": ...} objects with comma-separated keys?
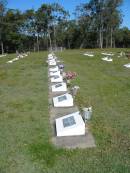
[{"x": 96, "y": 24}]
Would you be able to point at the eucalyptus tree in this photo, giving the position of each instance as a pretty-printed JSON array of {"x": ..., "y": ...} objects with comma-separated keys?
[
  {"x": 30, "y": 26},
  {"x": 91, "y": 18},
  {"x": 103, "y": 17},
  {"x": 48, "y": 17},
  {"x": 114, "y": 18},
  {"x": 43, "y": 20},
  {"x": 13, "y": 20},
  {"x": 3, "y": 4},
  {"x": 122, "y": 37},
  {"x": 60, "y": 16},
  {"x": 86, "y": 23},
  {"x": 65, "y": 33}
]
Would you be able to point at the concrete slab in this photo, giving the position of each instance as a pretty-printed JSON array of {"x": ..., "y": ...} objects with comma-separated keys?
[
  {"x": 85, "y": 141},
  {"x": 71, "y": 142},
  {"x": 74, "y": 142}
]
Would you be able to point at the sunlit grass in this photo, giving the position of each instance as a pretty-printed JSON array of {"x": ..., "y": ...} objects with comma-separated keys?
[{"x": 25, "y": 131}]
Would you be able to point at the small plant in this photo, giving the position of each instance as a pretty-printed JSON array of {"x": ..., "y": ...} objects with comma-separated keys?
[{"x": 82, "y": 102}]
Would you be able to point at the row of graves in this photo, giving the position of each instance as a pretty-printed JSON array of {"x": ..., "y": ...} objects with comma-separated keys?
[
  {"x": 108, "y": 56},
  {"x": 18, "y": 57},
  {"x": 3, "y": 55},
  {"x": 69, "y": 126}
]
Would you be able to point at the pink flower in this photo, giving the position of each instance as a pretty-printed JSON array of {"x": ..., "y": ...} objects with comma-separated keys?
[{"x": 71, "y": 75}]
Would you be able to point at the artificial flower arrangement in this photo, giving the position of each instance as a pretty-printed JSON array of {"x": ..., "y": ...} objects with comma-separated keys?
[
  {"x": 71, "y": 75},
  {"x": 68, "y": 76},
  {"x": 61, "y": 66}
]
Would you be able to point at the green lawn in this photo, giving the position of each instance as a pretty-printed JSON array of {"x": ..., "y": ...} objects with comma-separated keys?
[{"x": 25, "y": 130}]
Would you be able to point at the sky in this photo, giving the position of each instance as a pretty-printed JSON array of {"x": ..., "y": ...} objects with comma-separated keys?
[{"x": 67, "y": 4}]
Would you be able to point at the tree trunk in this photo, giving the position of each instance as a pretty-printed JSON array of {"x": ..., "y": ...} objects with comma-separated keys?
[
  {"x": 106, "y": 41},
  {"x": 100, "y": 39},
  {"x": 55, "y": 43},
  {"x": 114, "y": 43},
  {"x": 46, "y": 41},
  {"x": 97, "y": 42},
  {"x": 82, "y": 44},
  {"x": 106, "y": 37},
  {"x": 34, "y": 47},
  {"x": 2, "y": 48},
  {"x": 111, "y": 37},
  {"x": 101, "y": 31},
  {"x": 50, "y": 40},
  {"x": 37, "y": 42},
  {"x": 68, "y": 44}
]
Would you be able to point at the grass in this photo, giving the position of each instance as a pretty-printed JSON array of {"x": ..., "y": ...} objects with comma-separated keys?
[{"x": 25, "y": 130}]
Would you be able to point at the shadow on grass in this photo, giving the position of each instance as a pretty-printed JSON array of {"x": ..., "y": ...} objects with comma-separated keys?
[{"x": 45, "y": 153}]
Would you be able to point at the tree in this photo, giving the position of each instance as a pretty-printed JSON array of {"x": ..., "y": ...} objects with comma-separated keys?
[
  {"x": 48, "y": 17},
  {"x": 122, "y": 37},
  {"x": 13, "y": 20},
  {"x": 96, "y": 25},
  {"x": 3, "y": 4},
  {"x": 113, "y": 18},
  {"x": 101, "y": 16},
  {"x": 30, "y": 27}
]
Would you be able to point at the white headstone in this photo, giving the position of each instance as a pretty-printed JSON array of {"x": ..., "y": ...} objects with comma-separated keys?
[
  {"x": 127, "y": 65},
  {"x": 54, "y": 69},
  {"x": 107, "y": 59},
  {"x": 65, "y": 100},
  {"x": 55, "y": 73},
  {"x": 52, "y": 62},
  {"x": 56, "y": 78},
  {"x": 60, "y": 87},
  {"x": 70, "y": 125},
  {"x": 107, "y": 54},
  {"x": 88, "y": 54}
]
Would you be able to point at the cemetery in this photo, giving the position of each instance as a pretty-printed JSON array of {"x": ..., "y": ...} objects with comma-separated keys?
[
  {"x": 64, "y": 86},
  {"x": 101, "y": 90}
]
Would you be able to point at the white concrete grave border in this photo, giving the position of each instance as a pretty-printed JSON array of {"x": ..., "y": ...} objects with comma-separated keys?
[{"x": 74, "y": 141}]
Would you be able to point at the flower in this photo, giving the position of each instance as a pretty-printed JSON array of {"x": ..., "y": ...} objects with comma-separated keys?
[{"x": 70, "y": 75}]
